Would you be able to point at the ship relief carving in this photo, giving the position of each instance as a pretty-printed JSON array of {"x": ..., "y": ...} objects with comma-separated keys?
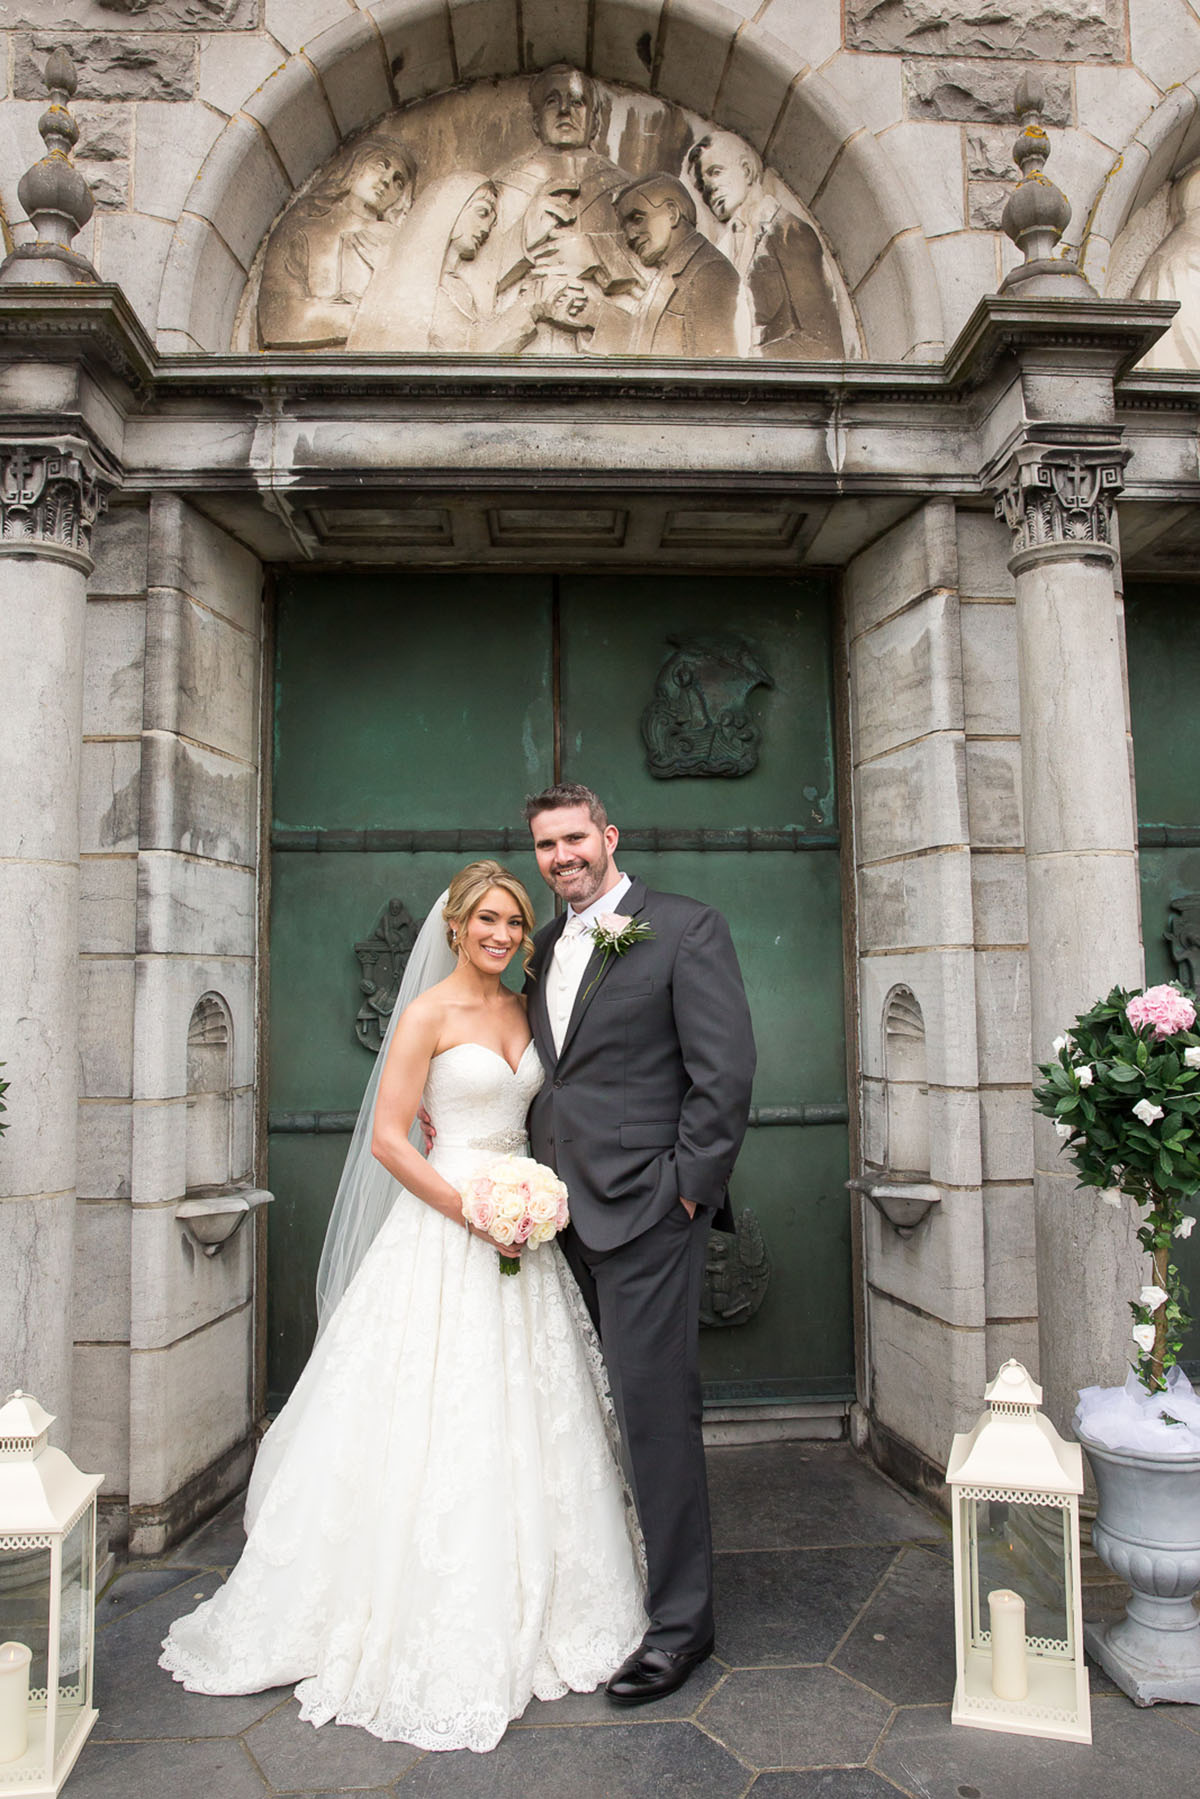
[{"x": 699, "y": 724}]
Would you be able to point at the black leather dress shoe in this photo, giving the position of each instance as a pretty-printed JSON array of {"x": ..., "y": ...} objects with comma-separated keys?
[{"x": 653, "y": 1673}]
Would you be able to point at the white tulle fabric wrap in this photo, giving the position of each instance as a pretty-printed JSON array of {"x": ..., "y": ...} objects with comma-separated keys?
[{"x": 1129, "y": 1418}]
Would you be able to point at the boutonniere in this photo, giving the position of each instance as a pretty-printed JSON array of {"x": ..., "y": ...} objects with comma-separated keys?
[{"x": 615, "y": 934}]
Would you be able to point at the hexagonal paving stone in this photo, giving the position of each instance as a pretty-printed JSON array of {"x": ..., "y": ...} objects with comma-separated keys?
[
  {"x": 296, "y": 1757},
  {"x": 903, "y": 1645},
  {"x": 798, "y": 1495},
  {"x": 598, "y": 1708},
  {"x": 791, "y": 1605},
  {"x": 217, "y": 1544},
  {"x": 626, "y": 1761},
  {"x": 795, "y": 1717},
  {"x": 824, "y": 1783},
  {"x": 1134, "y": 1752},
  {"x": 165, "y": 1771}
]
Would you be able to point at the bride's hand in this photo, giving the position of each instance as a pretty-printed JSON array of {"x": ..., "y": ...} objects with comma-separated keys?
[{"x": 428, "y": 1132}]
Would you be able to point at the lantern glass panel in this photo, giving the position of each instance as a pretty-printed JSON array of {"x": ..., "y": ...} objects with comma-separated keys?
[
  {"x": 76, "y": 1603},
  {"x": 1025, "y": 1547},
  {"x": 25, "y": 1610}
]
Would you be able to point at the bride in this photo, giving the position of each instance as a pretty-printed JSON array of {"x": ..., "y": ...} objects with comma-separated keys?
[{"x": 437, "y": 1527}]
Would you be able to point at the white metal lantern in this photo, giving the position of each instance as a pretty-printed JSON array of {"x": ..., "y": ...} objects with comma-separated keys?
[
  {"x": 47, "y": 1604},
  {"x": 1018, "y": 1616}
]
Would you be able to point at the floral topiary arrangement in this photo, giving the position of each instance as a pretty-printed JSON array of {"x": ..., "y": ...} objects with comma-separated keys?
[{"x": 1124, "y": 1094}]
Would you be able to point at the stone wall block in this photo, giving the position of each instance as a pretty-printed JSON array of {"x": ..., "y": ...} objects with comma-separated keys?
[
  {"x": 172, "y": 143},
  {"x": 106, "y": 1027},
  {"x": 966, "y": 268},
  {"x": 105, "y": 1135},
  {"x": 917, "y": 902},
  {"x": 188, "y": 552},
  {"x": 201, "y": 675},
  {"x": 813, "y": 26},
  {"x": 874, "y": 1121},
  {"x": 755, "y": 84},
  {"x": 1064, "y": 31},
  {"x": 978, "y": 92},
  {"x": 194, "y": 908},
  {"x": 109, "y": 795},
  {"x": 292, "y": 109},
  {"x": 233, "y": 66},
  {"x": 927, "y": 1377},
  {"x": 41, "y": 678},
  {"x": 167, "y": 990},
  {"x": 991, "y": 695},
  {"x": 913, "y": 558},
  {"x": 899, "y": 305},
  {"x": 692, "y": 49},
  {"x": 202, "y": 284},
  {"x": 1006, "y": 1133},
  {"x": 1002, "y": 1009},
  {"x": 1164, "y": 40},
  {"x": 354, "y": 72},
  {"x": 955, "y": 1126},
  {"x": 812, "y": 129},
  {"x": 119, "y": 553},
  {"x": 38, "y": 999},
  {"x": 102, "y": 1237},
  {"x": 989, "y": 154},
  {"x": 943, "y": 982},
  {"x": 940, "y": 1268},
  {"x": 1013, "y": 1340},
  {"x": 100, "y": 1433},
  {"x": 198, "y": 802},
  {"x": 906, "y": 676},
  {"x": 1008, "y": 1229},
  {"x": 131, "y": 250},
  {"x": 929, "y": 158},
  {"x": 296, "y": 22},
  {"x": 240, "y": 189},
  {"x": 113, "y": 666},
  {"x": 872, "y": 85},
  {"x": 419, "y": 47},
  {"x": 1113, "y": 103},
  {"x": 176, "y": 1288},
  {"x": 37, "y": 1258},
  {"x": 551, "y": 32},
  {"x": 135, "y": 67},
  {"x": 187, "y": 1405},
  {"x": 912, "y": 799},
  {"x": 986, "y": 201},
  {"x": 999, "y": 892},
  {"x": 243, "y": 1144},
  {"x": 994, "y": 792},
  {"x": 984, "y": 547},
  {"x": 860, "y": 216},
  {"x": 158, "y": 1166},
  {"x": 485, "y": 37}
]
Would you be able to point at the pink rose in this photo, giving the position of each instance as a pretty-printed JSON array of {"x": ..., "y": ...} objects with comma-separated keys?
[
  {"x": 1165, "y": 1008},
  {"x": 563, "y": 1215},
  {"x": 481, "y": 1213},
  {"x": 524, "y": 1226},
  {"x": 611, "y": 922}
]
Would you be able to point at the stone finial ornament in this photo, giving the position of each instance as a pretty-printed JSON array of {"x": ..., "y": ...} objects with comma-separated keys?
[
  {"x": 54, "y": 194},
  {"x": 1037, "y": 212}
]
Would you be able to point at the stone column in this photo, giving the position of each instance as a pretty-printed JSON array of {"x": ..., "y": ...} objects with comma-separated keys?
[
  {"x": 1081, "y": 860},
  {"x": 50, "y": 494}
]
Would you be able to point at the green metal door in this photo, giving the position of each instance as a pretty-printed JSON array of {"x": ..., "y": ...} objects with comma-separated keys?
[
  {"x": 1162, "y": 623},
  {"x": 412, "y": 716}
]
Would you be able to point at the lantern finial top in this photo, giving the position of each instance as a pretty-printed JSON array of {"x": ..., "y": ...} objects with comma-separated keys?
[
  {"x": 1013, "y": 1387},
  {"x": 22, "y": 1423}
]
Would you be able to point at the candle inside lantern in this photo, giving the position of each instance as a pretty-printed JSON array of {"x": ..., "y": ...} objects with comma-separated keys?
[
  {"x": 14, "y": 1700},
  {"x": 1010, "y": 1673}
]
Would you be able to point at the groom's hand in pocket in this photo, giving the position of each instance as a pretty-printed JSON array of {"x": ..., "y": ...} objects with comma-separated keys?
[{"x": 689, "y": 1206}]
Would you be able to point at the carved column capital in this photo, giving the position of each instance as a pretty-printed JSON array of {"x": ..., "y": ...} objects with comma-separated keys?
[
  {"x": 51, "y": 494},
  {"x": 1057, "y": 500}
]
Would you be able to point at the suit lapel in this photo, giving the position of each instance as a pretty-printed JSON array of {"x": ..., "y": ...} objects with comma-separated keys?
[{"x": 596, "y": 972}]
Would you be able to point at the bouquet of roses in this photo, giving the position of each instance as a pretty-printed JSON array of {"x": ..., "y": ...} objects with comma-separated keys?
[{"x": 515, "y": 1200}]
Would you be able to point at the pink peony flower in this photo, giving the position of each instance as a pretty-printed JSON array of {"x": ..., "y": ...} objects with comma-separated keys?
[{"x": 1165, "y": 1008}]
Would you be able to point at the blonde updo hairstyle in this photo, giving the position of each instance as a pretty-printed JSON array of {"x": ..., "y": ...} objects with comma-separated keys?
[{"x": 468, "y": 890}]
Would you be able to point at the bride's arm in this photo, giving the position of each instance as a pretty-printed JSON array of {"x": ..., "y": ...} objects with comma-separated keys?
[{"x": 400, "y": 1087}]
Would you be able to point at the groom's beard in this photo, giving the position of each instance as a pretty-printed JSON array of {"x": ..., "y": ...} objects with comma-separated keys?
[{"x": 581, "y": 886}]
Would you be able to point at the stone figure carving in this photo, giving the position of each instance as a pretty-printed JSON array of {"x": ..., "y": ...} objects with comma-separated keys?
[
  {"x": 698, "y": 722},
  {"x": 779, "y": 258},
  {"x": 737, "y": 1273},
  {"x": 383, "y": 957},
  {"x": 328, "y": 244},
  {"x": 544, "y": 217},
  {"x": 1183, "y": 936},
  {"x": 1173, "y": 273}
]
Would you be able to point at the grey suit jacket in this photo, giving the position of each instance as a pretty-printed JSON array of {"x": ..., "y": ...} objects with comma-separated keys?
[{"x": 649, "y": 1098}]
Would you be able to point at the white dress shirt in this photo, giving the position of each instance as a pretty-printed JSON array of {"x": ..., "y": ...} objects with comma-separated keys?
[{"x": 572, "y": 953}]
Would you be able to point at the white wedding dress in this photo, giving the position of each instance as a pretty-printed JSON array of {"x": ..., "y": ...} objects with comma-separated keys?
[{"x": 438, "y": 1528}]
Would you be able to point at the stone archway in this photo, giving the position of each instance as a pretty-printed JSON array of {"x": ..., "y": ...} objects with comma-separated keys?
[
  {"x": 704, "y": 58},
  {"x": 1165, "y": 143}
]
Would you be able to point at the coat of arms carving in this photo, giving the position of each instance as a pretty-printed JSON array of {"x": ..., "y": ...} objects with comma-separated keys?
[
  {"x": 383, "y": 957},
  {"x": 699, "y": 722},
  {"x": 1183, "y": 936}
]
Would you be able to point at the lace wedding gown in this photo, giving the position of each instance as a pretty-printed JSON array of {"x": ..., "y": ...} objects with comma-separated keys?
[{"x": 437, "y": 1525}]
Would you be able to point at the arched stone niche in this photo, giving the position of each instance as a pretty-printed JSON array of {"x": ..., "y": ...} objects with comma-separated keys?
[
  {"x": 209, "y": 1095},
  {"x": 1143, "y": 238},
  {"x": 710, "y": 64},
  {"x": 906, "y": 1066}
]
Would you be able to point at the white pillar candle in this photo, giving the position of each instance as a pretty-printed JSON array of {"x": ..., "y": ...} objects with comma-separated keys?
[
  {"x": 14, "y": 1700},
  {"x": 1010, "y": 1674}
]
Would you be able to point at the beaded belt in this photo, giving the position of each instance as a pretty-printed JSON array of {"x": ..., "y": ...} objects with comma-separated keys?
[{"x": 502, "y": 1142}]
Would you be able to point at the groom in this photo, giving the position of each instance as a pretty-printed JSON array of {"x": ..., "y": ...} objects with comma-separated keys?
[{"x": 649, "y": 1057}]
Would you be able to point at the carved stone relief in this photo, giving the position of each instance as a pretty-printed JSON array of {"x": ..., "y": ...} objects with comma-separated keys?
[
  {"x": 553, "y": 216},
  {"x": 737, "y": 1274},
  {"x": 51, "y": 495},
  {"x": 1173, "y": 273},
  {"x": 698, "y": 723},
  {"x": 1059, "y": 496},
  {"x": 1183, "y": 936},
  {"x": 383, "y": 957}
]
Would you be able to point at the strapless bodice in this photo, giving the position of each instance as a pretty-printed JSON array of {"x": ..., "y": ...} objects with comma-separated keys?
[{"x": 476, "y": 1101}]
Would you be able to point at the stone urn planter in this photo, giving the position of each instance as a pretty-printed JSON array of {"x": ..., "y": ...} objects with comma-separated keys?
[{"x": 1147, "y": 1530}]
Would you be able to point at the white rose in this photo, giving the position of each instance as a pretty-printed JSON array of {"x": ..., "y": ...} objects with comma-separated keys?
[
  {"x": 1191, "y": 1058},
  {"x": 543, "y": 1207},
  {"x": 1059, "y": 1044},
  {"x": 503, "y": 1231},
  {"x": 1084, "y": 1074},
  {"x": 1112, "y": 1196},
  {"x": 1152, "y": 1298},
  {"x": 1143, "y": 1336},
  {"x": 1184, "y": 1227},
  {"x": 611, "y": 923},
  {"x": 1147, "y": 1111},
  {"x": 1063, "y": 1129}
]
